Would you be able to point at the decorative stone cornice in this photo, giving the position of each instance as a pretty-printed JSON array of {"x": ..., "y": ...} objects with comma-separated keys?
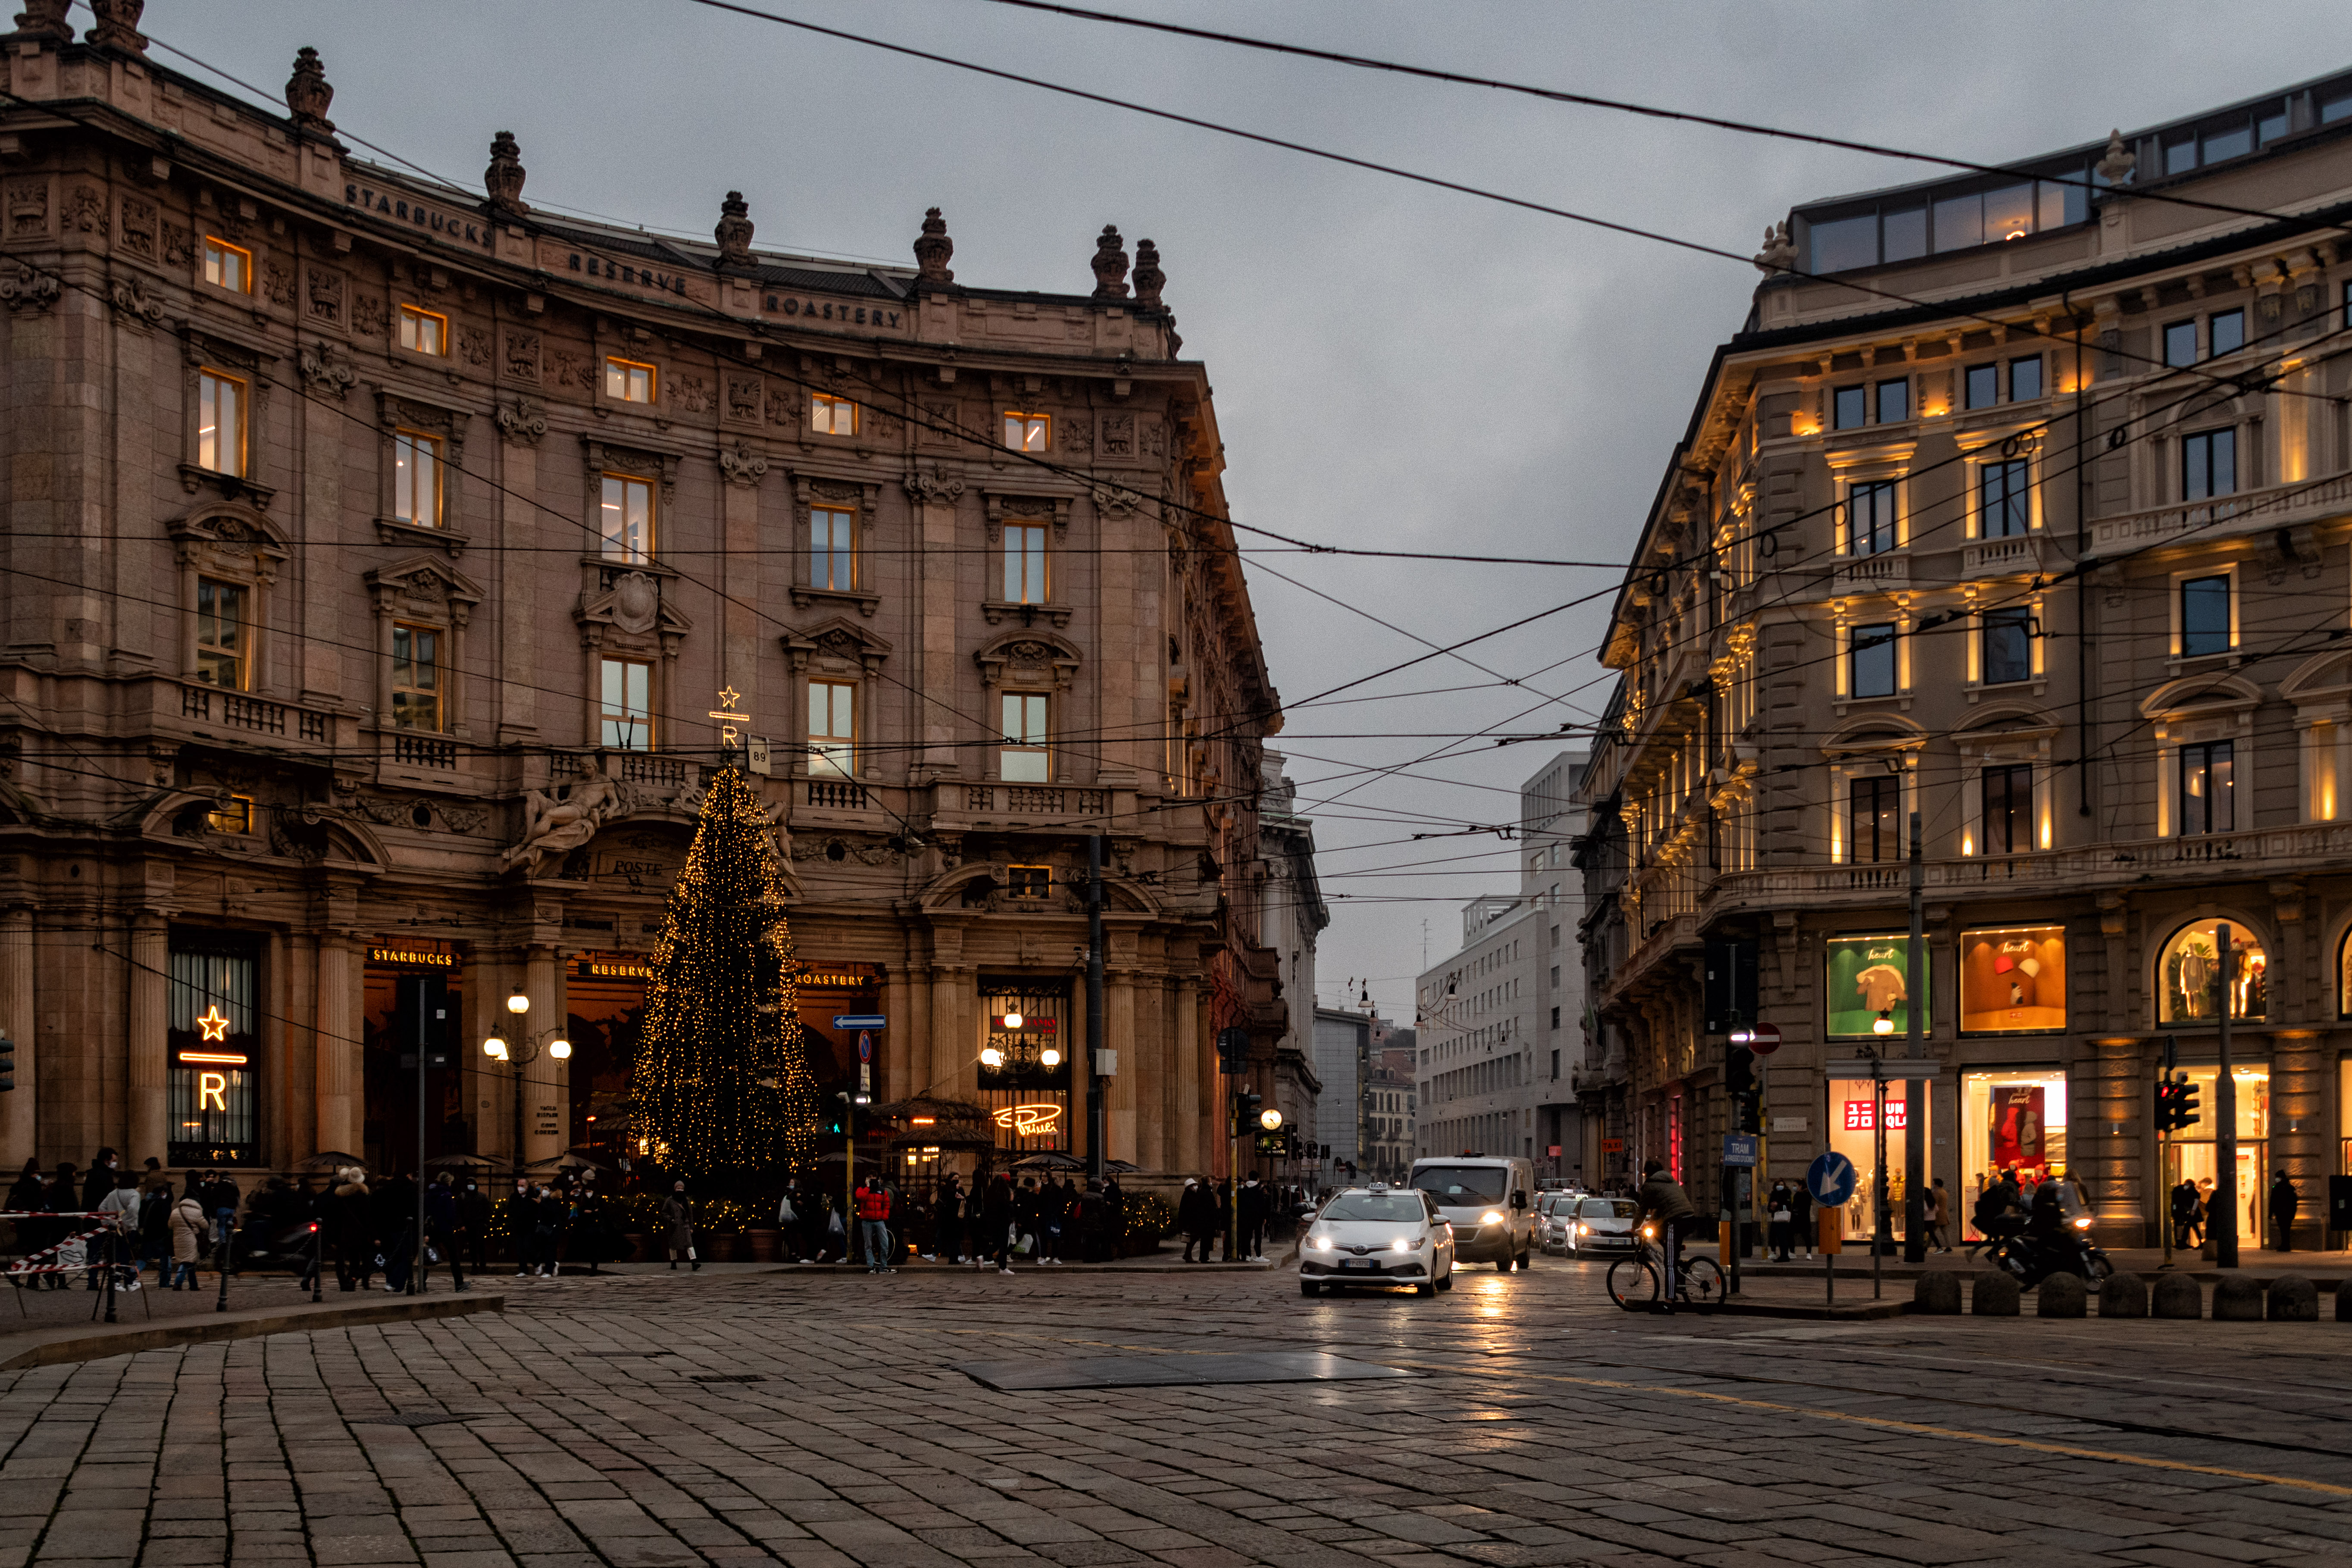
[{"x": 931, "y": 489}]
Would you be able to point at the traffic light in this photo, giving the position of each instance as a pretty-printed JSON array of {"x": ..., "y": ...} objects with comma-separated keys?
[
  {"x": 1738, "y": 1070},
  {"x": 7, "y": 1064},
  {"x": 2175, "y": 1104},
  {"x": 1245, "y": 1109}
]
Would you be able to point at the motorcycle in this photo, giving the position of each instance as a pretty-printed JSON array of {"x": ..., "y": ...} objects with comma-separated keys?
[{"x": 2030, "y": 1260}]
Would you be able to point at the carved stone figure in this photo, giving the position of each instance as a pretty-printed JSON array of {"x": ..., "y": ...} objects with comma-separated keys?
[
  {"x": 328, "y": 369},
  {"x": 734, "y": 230},
  {"x": 118, "y": 24},
  {"x": 932, "y": 249},
  {"x": 326, "y": 295},
  {"x": 557, "y": 823},
  {"x": 28, "y": 290},
  {"x": 309, "y": 93},
  {"x": 522, "y": 422},
  {"x": 2116, "y": 166},
  {"x": 741, "y": 464},
  {"x": 503, "y": 179},
  {"x": 1780, "y": 252},
  {"x": 1111, "y": 265},
  {"x": 1149, "y": 280}
]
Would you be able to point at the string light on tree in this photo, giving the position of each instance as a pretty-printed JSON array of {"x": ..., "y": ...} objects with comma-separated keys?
[{"x": 722, "y": 1075}]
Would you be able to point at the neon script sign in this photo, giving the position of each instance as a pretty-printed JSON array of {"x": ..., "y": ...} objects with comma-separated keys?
[{"x": 1029, "y": 1120}]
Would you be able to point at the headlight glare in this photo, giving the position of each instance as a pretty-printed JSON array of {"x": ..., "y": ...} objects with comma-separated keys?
[{"x": 1492, "y": 1217}]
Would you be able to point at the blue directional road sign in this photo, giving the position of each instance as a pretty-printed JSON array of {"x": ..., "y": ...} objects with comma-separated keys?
[
  {"x": 1830, "y": 1179},
  {"x": 858, "y": 1021}
]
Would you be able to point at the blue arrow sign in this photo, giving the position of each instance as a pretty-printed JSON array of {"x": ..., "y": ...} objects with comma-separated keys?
[
  {"x": 858, "y": 1020},
  {"x": 1830, "y": 1179}
]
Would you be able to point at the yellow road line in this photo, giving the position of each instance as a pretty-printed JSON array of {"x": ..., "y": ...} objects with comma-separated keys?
[{"x": 1885, "y": 1423}]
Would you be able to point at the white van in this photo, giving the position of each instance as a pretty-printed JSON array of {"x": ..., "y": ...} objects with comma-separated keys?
[{"x": 1488, "y": 1199}]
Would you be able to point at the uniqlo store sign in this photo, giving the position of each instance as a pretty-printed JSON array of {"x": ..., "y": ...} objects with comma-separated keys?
[{"x": 1860, "y": 1116}]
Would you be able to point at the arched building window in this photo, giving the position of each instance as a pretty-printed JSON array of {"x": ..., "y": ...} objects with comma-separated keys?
[{"x": 2188, "y": 975}]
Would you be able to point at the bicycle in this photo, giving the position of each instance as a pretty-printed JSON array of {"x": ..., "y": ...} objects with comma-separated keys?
[{"x": 1635, "y": 1283}]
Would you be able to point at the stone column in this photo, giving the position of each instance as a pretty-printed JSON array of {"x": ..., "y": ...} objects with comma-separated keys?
[
  {"x": 296, "y": 1089},
  {"x": 939, "y": 600},
  {"x": 20, "y": 1122},
  {"x": 739, "y": 617},
  {"x": 1181, "y": 1144},
  {"x": 2303, "y": 1079},
  {"x": 521, "y": 658},
  {"x": 904, "y": 1063},
  {"x": 546, "y": 1082},
  {"x": 1119, "y": 1029},
  {"x": 2106, "y": 1128},
  {"x": 151, "y": 958},
  {"x": 1150, "y": 1041},
  {"x": 325, "y": 424},
  {"x": 339, "y": 1045}
]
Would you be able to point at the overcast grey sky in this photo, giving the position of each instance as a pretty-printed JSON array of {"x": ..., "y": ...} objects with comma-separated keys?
[{"x": 1394, "y": 365}]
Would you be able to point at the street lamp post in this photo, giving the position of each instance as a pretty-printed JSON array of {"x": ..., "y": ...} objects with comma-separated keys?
[{"x": 528, "y": 1050}]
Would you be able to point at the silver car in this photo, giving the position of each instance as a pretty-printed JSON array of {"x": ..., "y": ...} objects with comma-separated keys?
[
  {"x": 1600, "y": 1226},
  {"x": 1555, "y": 1213},
  {"x": 1377, "y": 1235}
]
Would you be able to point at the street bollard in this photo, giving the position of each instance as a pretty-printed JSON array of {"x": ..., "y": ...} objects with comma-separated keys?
[
  {"x": 2178, "y": 1296},
  {"x": 1937, "y": 1293},
  {"x": 2061, "y": 1295},
  {"x": 2293, "y": 1300},
  {"x": 2238, "y": 1299},
  {"x": 1994, "y": 1296},
  {"x": 2123, "y": 1296}
]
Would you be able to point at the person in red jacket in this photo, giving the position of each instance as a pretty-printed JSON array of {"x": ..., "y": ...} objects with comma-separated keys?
[{"x": 874, "y": 1224}]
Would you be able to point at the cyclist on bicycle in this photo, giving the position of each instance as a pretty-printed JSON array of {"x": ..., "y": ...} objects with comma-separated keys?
[{"x": 1661, "y": 1198}]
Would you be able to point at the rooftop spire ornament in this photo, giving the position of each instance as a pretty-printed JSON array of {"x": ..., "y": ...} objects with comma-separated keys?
[{"x": 722, "y": 1072}]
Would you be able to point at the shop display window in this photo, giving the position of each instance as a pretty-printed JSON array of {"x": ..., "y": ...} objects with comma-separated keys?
[
  {"x": 1869, "y": 986},
  {"x": 1853, "y": 1133},
  {"x": 2188, "y": 976},
  {"x": 2012, "y": 1119},
  {"x": 1025, "y": 1062},
  {"x": 2013, "y": 981},
  {"x": 2194, "y": 1151}
]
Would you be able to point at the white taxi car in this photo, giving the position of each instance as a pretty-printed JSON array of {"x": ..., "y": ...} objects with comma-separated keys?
[{"x": 1377, "y": 1235}]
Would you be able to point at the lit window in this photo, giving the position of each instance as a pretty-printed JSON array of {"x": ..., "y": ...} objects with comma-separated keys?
[
  {"x": 2008, "y": 646},
  {"x": 417, "y": 479},
  {"x": 2227, "y": 332},
  {"x": 1024, "y": 758},
  {"x": 1894, "y": 402},
  {"x": 2188, "y": 978},
  {"x": 228, "y": 266},
  {"x": 1872, "y": 651},
  {"x": 2209, "y": 798},
  {"x": 2180, "y": 343},
  {"x": 1024, "y": 565},
  {"x": 415, "y": 678},
  {"x": 423, "y": 331},
  {"x": 833, "y": 728},
  {"x": 1876, "y": 835},
  {"x": 1028, "y": 881},
  {"x": 2009, "y": 810},
  {"x": 233, "y": 815},
  {"x": 220, "y": 423},
  {"x": 833, "y": 416},
  {"x": 2205, "y": 617},
  {"x": 2025, "y": 379},
  {"x": 626, "y": 719},
  {"x": 626, "y": 524},
  {"x": 1869, "y": 518},
  {"x": 833, "y": 554},
  {"x": 2007, "y": 509},
  {"x": 1027, "y": 432},
  {"x": 2208, "y": 464},
  {"x": 626, "y": 380},
  {"x": 1849, "y": 408},
  {"x": 223, "y": 642}
]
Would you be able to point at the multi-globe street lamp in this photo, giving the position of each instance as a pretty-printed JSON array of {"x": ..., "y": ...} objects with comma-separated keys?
[{"x": 530, "y": 1047}]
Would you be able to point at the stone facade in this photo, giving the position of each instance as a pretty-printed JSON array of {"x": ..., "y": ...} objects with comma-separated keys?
[
  {"x": 385, "y": 567},
  {"x": 2057, "y": 566}
]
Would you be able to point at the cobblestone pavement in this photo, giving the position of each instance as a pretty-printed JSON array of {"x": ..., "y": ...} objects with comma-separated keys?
[{"x": 588, "y": 1426}]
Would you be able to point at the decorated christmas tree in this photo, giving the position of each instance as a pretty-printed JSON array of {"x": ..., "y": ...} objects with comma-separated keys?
[{"x": 722, "y": 1081}]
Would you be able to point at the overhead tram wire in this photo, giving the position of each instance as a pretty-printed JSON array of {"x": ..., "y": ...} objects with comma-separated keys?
[
  {"x": 1226, "y": 521},
  {"x": 1617, "y": 105},
  {"x": 1460, "y": 187}
]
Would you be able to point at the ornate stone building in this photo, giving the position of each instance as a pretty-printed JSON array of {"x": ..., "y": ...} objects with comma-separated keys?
[
  {"x": 2020, "y": 507},
  {"x": 385, "y": 566}
]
